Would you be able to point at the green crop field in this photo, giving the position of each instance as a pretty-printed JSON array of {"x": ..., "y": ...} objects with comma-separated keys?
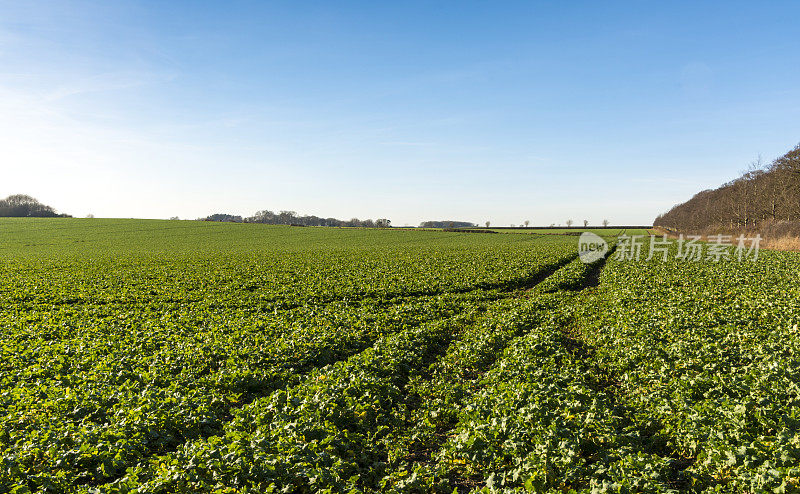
[{"x": 145, "y": 356}]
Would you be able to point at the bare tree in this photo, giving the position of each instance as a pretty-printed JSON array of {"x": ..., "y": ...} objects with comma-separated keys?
[
  {"x": 527, "y": 222},
  {"x": 605, "y": 222},
  {"x": 569, "y": 223},
  {"x": 488, "y": 223},
  {"x": 585, "y": 223}
]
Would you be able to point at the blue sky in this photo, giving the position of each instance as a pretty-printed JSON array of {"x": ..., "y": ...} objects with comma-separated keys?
[{"x": 500, "y": 111}]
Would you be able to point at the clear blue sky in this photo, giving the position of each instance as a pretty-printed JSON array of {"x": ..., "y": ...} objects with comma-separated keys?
[{"x": 500, "y": 111}]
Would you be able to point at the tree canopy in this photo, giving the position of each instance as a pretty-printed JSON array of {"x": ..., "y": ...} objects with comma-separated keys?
[{"x": 21, "y": 205}]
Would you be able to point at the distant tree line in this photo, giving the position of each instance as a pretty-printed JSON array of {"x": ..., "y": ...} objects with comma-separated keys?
[
  {"x": 761, "y": 196},
  {"x": 292, "y": 218},
  {"x": 446, "y": 224},
  {"x": 229, "y": 218},
  {"x": 21, "y": 205}
]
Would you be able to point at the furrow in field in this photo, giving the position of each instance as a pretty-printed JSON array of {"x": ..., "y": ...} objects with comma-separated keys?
[
  {"x": 551, "y": 417},
  {"x": 547, "y": 418},
  {"x": 574, "y": 276},
  {"x": 316, "y": 435},
  {"x": 458, "y": 377},
  {"x": 438, "y": 401},
  {"x": 123, "y": 423},
  {"x": 284, "y": 282},
  {"x": 490, "y": 347}
]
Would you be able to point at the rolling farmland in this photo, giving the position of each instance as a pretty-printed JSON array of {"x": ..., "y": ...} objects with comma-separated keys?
[{"x": 180, "y": 356}]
